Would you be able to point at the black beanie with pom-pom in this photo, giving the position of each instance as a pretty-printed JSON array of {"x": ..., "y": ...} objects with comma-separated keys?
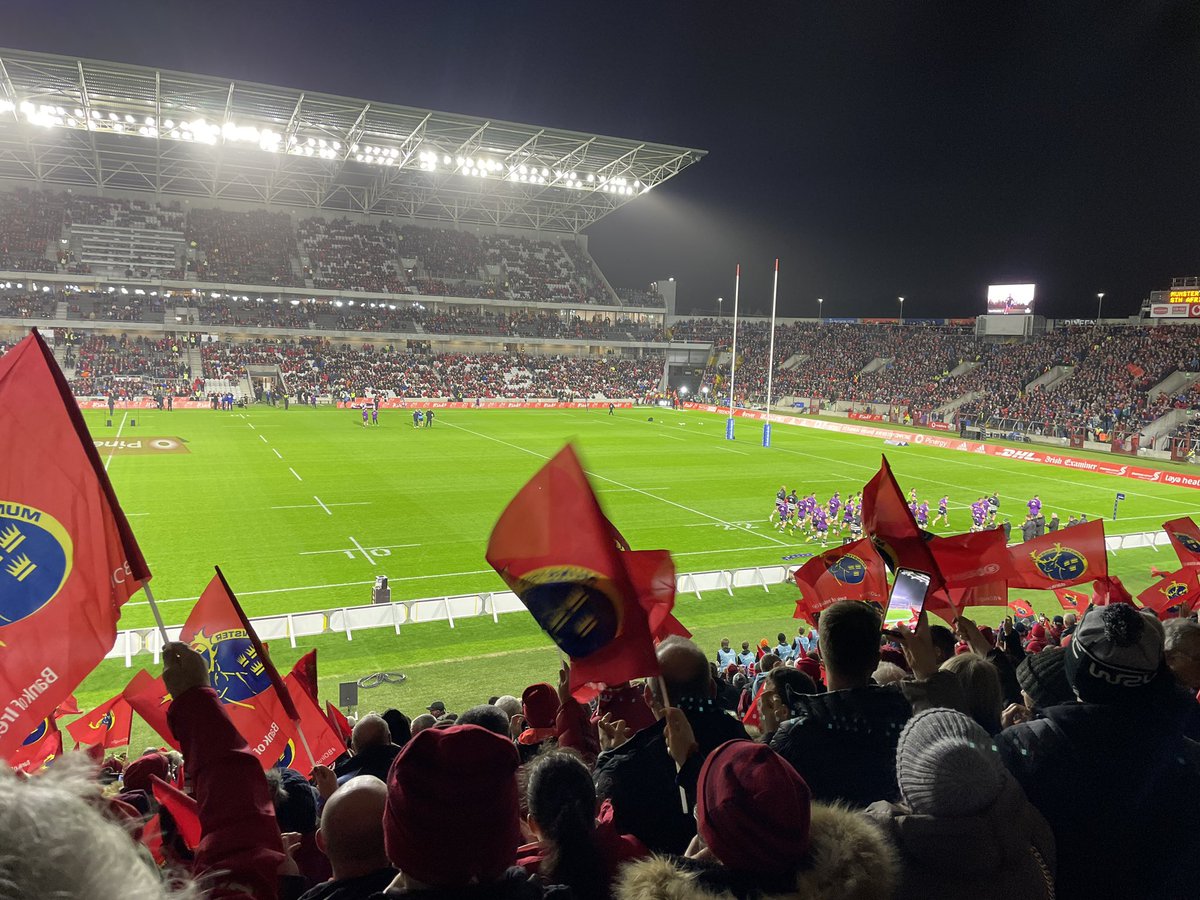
[{"x": 1115, "y": 655}]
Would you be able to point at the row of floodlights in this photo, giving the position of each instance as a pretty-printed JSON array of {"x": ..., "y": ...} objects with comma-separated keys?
[{"x": 201, "y": 131}]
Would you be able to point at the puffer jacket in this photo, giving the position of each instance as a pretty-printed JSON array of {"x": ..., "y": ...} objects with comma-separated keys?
[
  {"x": 1005, "y": 852},
  {"x": 849, "y": 859}
]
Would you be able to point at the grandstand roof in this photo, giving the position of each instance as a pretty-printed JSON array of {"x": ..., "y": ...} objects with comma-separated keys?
[{"x": 78, "y": 122}]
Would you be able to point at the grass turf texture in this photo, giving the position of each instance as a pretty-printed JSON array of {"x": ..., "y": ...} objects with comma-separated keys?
[{"x": 418, "y": 505}]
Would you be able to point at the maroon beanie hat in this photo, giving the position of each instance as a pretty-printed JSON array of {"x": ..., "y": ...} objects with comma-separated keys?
[
  {"x": 138, "y": 772},
  {"x": 539, "y": 705},
  {"x": 811, "y": 668},
  {"x": 452, "y": 806},
  {"x": 753, "y": 808}
]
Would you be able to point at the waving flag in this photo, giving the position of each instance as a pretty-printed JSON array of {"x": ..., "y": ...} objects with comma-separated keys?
[
  {"x": 69, "y": 707},
  {"x": 322, "y": 739},
  {"x": 1074, "y": 601},
  {"x": 892, "y": 529},
  {"x": 1061, "y": 558},
  {"x": 1181, "y": 588},
  {"x": 39, "y": 747},
  {"x": 305, "y": 671},
  {"x": 338, "y": 721},
  {"x": 1021, "y": 609},
  {"x": 1185, "y": 538},
  {"x": 68, "y": 559},
  {"x": 241, "y": 673},
  {"x": 850, "y": 572},
  {"x": 1109, "y": 589},
  {"x": 603, "y": 604},
  {"x": 150, "y": 699},
  {"x": 950, "y": 602},
  {"x": 183, "y": 809},
  {"x": 107, "y": 725},
  {"x": 972, "y": 559}
]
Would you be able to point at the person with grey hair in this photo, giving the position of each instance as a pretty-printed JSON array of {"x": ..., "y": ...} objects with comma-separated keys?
[
  {"x": 351, "y": 835},
  {"x": 509, "y": 704},
  {"x": 421, "y": 722},
  {"x": 371, "y": 744},
  {"x": 638, "y": 775},
  {"x": 486, "y": 716},
  {"x": 1181, "y": 643}
]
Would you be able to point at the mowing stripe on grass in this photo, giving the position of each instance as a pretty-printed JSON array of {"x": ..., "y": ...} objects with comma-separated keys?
[{"x": 614, "y": 481}]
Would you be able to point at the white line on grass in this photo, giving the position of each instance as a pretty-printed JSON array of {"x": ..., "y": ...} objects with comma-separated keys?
[
  {"x": 263, "y": 439},
  {"x": 277, "y": 453},
  {"x": 361, "y": 550},
  {"x": 124, "y": 416},
  {"x": 294, "y": 472},
  {"x": 251, "y": 424},
  {"x": 618, "y": 484},
  {"x": 314, "y": 506},
  {"x": 731, "y": 450},
  {"x": 322, "y": 505},
  {"x": 624, "y": 489},
  {"x": 350, "y": 550}
]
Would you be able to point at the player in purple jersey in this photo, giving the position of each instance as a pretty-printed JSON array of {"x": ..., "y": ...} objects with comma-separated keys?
[
  {"x": 1035, "y": 506},
  {"x": 912, "y": 507},
  {"x": 977, "y": 514},
  {"x": 847, "y": 516},
  {"x": 923, "y": 514},
  {"x": 780, "y": 515},
  {"x": 365, "y": 414},
  {"x": 943, "y": 515},
  {"x": 821, "y": 524},
  {"x": 835, "y": 503}
]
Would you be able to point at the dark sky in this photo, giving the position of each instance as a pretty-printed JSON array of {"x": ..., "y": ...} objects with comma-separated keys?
[{"x": 878, "y": 147}]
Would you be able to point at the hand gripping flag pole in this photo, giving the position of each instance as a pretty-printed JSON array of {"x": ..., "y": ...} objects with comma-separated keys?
[{"x": 737, "y": 286}]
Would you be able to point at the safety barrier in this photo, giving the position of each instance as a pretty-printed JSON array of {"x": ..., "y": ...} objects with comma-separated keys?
[{"x": 347, "y": 620}]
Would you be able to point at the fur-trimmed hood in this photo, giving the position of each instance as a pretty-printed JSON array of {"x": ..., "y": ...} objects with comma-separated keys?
[{"x": 849, "y": 859}]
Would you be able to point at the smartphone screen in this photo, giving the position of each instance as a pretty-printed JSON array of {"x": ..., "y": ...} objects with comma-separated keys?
[{"x": 908, "y": 592}]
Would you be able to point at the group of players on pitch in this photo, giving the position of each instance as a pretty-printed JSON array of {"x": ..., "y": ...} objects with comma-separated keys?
[
  {"x": 818, "y": 521},
  {"x": 420, "y": 418}
]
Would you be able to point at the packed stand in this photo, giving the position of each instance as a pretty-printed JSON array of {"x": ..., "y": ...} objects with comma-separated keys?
[
  {"x": 30, "y": 225},
  {"x": 345, "y": 255},
  {"x": 128, "y": 367},
  {"x": 255, "y": 247}
]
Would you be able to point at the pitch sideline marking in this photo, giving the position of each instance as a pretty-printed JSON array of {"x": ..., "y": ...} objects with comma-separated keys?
[
  {"x": 124, "y": 416},
  {"x": 314, "y": 506},
  {"x": 617, "y": 483}
]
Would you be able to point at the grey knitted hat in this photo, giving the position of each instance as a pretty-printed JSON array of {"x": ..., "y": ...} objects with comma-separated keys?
[{"x": 947, "y": 765}]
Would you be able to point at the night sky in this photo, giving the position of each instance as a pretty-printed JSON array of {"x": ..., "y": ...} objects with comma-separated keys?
[{"x": 878, "y": 148}]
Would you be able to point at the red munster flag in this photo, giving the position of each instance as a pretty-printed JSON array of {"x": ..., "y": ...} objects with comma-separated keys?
[
  {"x": 39, "y": 747},
  {"x": 150, "y": 699},
  {"x": 950, "y": 602},
  {"x": 1185, "y": 538},
  {"x": 69, "y": 707},
  {"x": 601, "y": 603},
  {"x": 305, "y": 671},
  {"x": 324, "y": 742},
  {"x": 183, "y": 809},
  {"x": 68, "y": 560},
  {"x": 1061, "y": 558},
  {"x": 1075, "y": 601},
  {"x": 1181, "y": 588},
  {"x": 973, "y": 559},
  {"x": 1109, "y": 589},
  {"x": 338, "y": 721},
  {"x": 241, "y": 673},
  {"x": 890, "y": 525},
  {"x": 850, "y": 572},
  {"x": 107, "y": 725},
  {"x": 1022, "y": 609}
]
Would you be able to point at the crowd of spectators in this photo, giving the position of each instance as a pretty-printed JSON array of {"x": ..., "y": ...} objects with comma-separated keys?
[
  {"x": 320, "y": 368},
  {"x": 840, "y": 764},
  {"x": 345, "y": 255},
  {"x": 127, "y": 366},
  {"x": 253, "y": 247},
  {"x": 30, "y": 228}
]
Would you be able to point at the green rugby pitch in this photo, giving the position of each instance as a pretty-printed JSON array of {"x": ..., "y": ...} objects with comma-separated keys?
[{"x": 303, "y": 508}]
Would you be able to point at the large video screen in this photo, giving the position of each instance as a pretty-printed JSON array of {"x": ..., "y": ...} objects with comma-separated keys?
[{"x": 1010, "y": 299}]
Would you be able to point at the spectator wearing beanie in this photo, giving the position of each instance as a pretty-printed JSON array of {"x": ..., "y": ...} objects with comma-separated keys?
[
  {"x": 843, "y": 742},
  {"x": 573, "y": 847},
  {"x": 956, "y": 793},
  {"x": 1142, "y": 775},
  {"x": 638, "y": 775},
  {"x": 1043, "y": 679},
  {"x": 296, "y": 811},
  {"x": 450, "y": 824},
  {"x": 760, "y": 836}
]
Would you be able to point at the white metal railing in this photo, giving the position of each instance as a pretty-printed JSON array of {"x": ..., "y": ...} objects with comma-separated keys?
[{"x": 346, "y": 620}]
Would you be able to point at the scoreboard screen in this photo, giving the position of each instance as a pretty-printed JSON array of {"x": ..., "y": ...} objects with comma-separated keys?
[
  {"x": 1189, "y": 296},
  {"x": 1010, "y": 299}
]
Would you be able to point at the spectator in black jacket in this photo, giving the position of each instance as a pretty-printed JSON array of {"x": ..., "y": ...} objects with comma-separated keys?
[
  {"x": 1142, "y": 775},
  {"x": 638, "y": 775},
  {"x": 843, "y": 742}
]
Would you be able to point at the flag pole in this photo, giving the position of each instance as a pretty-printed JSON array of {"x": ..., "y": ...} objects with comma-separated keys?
[
  {"x": 158, "y": 619},
  {"x": 312, "y": 760},
  {"x": 666, "y": 699},
  {"x": 737, "y": 285},
  {"x": 766, "y": 441}
]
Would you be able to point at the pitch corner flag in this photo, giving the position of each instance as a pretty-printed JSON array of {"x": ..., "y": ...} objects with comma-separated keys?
[{"x": 68, "y": 559}]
